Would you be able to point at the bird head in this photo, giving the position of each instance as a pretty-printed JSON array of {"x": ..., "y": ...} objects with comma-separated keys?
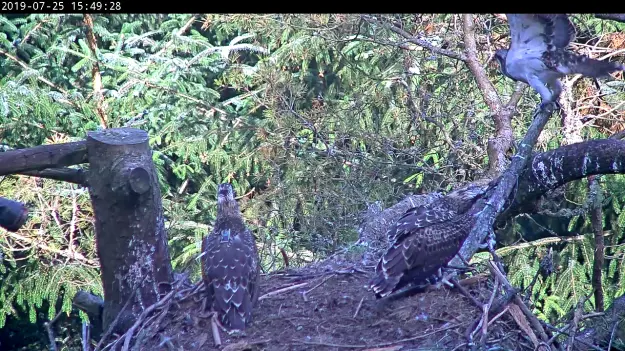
[
  {"x": 225, "y": 193},
  {"x": 465, "y": 197},
  {"x": 500, "y": 55}
]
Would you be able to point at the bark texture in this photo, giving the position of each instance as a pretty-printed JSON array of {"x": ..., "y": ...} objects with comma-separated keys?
[{"x": 130, "y": 232}]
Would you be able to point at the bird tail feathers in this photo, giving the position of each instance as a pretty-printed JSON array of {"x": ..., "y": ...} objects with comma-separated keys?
[
  {"x": 586, "y": 66},
  {"x": 383, "y": 285}
]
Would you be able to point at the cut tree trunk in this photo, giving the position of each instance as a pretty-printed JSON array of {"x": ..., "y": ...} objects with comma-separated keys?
[{"x": 129, "y": 224}]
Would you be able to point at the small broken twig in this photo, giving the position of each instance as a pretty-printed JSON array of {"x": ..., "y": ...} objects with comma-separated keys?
[
  {"x": 359, "y": 306},
  {"x": 215, "y": 330},
  {"x": 280, "y": 291},
  {"x": 316, "y": 286}
]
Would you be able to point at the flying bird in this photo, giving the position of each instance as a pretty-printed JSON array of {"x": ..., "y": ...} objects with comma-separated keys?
[
  {"x": 538, "y": 54},
  {"x": 426, "y": 238},
  {"x": 230, "y": 264}
]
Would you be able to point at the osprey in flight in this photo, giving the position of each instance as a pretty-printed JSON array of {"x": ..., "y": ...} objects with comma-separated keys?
[
  {"x": 230, "y": 264},
  {"x": 426, "y": 238},
  {"x": 538, "y": 56}
]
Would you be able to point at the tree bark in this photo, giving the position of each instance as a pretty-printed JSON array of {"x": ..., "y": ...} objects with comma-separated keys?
[
  {"x": 129, "y": 223},
  {"x": 42, "y": 157},
  {"x": 552, "y": 169},
  {"x": 596, "y": 218},
  {"x": 620, "y": 17}
]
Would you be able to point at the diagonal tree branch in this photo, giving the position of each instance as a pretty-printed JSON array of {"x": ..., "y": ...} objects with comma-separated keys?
[
  {"x": 507, "y": 182},
  {"x": 412, "y": 39}
]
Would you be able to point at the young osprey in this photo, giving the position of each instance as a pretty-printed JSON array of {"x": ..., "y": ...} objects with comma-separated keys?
[
  {"x": 426, "y": 238},
  {"x": 230, "y": 264},
  {"x": 538, "y": 56}
]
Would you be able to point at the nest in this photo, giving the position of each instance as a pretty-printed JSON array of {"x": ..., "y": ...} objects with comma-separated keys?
[{"x": 327, "y": 307}]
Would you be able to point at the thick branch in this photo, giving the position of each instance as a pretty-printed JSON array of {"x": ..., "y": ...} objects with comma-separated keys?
[
  {"x": 129, "y": 226},
  {"x": 42, "y": 157},
  {"x": 620, "y": 17},
  {"x": 93, "y": 306},
  {"x": 552, "y": 169},
  {"x": 507, "y": 182},
  {"x": 486, "y": 87},
  {"x": 502, "y": 115},
  {"x": 76, "y": 176}
]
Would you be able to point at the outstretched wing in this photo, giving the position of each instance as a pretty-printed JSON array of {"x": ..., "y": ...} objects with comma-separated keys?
[
  {"x": 531, "y": 35},
  {"x": 545, "y": 37},
  {"x": 230, "y": 272}
]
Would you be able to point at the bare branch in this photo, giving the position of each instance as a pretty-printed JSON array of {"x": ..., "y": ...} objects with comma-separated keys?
[
  {"x": 42, "y": 157},
  {"x": 410, "y": 38},
  {"x": 95, "y": 72},
  {"x": 507, "y": 182},
  {"x": 552, "y": 169},
  {"x": 486, "y": 87},
  {"x": 596, "y": 218},
  {"x": 620, "y": 17},
  {"x": 72, "y": 255},
  {"x": 70, "y": 175}
]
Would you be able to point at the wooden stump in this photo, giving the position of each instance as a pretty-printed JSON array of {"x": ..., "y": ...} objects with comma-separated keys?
[{"x": 130, "y": 233}]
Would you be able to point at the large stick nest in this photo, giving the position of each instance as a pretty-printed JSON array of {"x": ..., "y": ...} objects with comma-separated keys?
[{"x": 328, "y": 307}]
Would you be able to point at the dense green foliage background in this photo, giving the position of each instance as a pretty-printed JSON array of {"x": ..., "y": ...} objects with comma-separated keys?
[{"x": 311, "y": 117}]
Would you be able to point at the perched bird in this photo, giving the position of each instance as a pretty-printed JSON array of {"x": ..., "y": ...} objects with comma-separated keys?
[
  {"x": 426, "y": 238},
  {"x": 538, "y": 54},
  {"x": 230, "y": 262}
]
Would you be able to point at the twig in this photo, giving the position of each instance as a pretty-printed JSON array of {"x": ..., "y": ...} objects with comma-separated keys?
[
  {"x": 561, "y": 331},
  {"x": 280, "y": 291},
  {"x": 496, "y": 317},
  {"x": 577, "y": 317},
  {"x": 381, "y": 344},
  {"x": 109, "y": 330},
  {"x": 359, "y": 306},
  {"x": 49, "y": 326},
  {"x": 86, "y": 337},
  {"x": 215, "y": 330},
  {"x": 530, "y": 316},
  {"x": 316, "y": 286},
  {"x": 486, "y": 310},
  {"x": 131, "y": 331},
  {"x": 422, "y": 43},
  {"x": 466, "y": 293},
  {"x": 285, "y": 258},
  {"x": 612, "y": 335},
  {"x": 95, "y": 72}
]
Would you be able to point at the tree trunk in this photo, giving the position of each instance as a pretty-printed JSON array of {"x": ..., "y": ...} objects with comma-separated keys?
[{"x": 129, "y": 224}]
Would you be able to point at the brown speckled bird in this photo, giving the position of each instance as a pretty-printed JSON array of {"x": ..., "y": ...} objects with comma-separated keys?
[
  {"x": 426, "y": 238},
  {"x": 230, "y": 264}
]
